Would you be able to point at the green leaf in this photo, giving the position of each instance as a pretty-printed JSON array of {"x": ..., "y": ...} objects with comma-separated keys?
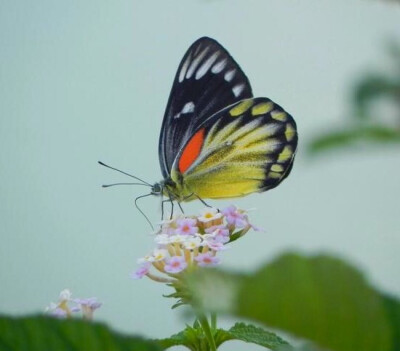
[
  {"x": 250, "y": 333},
  {"x": 194, "y": 338},
  {"x": 191, "y": 337},
  {"x": 372, "y": 88},
  {"x": 368, "y": 91},
  {"x": 38, "y": 333},
  {"x": 175, "y": 340},
  {"x": 350, "y": 136},
  {"x": 392, "y": 307},
  {"x": 320, "y": 298}
]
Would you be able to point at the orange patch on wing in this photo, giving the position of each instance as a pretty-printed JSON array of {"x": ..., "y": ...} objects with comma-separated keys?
[{"x": 191, "y": 151}]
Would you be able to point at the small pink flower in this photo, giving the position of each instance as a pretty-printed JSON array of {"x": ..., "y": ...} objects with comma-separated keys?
[
  {"x": 215, "y": 245},
  {"x": 58, "y": 313},
  {"x": 207, "y": 260},
  {"x": 168, "y": 226},
  {"x": 209, "y": 214},
  {"x": 162, "y": 239},
  {"x": 141, "y": 271},
  {"x": 213, "y": 241},
  {"x": 175, "y": 264},
  {"x": 64, "y": 309},
  {"x": 222, "y": 229},
  {"x": 220, "y": 232},
  {"x": 186, "y": 226},
  {"x": 257, "y": 229},
  {"x": 91, "y": 302},
  {"x": 88, "y": 306},
  {"x": 235, "y": 217},
  {"x": 192, "y": 242}
]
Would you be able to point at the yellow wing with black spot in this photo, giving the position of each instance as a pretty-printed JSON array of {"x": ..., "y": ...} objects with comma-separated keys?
[{"x": 244, "y": 148}]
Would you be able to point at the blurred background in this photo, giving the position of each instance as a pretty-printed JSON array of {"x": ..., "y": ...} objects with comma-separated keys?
[{"x": 88, "y": 81}]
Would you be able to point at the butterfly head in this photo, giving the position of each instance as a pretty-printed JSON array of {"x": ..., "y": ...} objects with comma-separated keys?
[
  {"x": 166, "y": 187},
  {"x": 157, "y": 189}
]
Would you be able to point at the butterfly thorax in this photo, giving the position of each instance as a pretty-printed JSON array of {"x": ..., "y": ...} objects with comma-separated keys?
[{"x": 172, "y": 189}]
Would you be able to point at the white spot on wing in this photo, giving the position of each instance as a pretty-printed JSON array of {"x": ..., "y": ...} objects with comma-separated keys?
[
  {"x": 195, "y": 63},
  {"x": 218, "y": 67},
  {"x": 206, "y": 65},
  {"x": 184, "y": 69},
  {"x": 198, "y": 49},
  {"x": 229, "y": 75},
  {"x": 187, "y": 108},
  {"x": 237, "y": 89}
]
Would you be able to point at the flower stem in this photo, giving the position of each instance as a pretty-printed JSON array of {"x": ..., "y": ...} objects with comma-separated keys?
[
  {"x": 207, "y": 331},
  {"x": 159, "y": 279}
]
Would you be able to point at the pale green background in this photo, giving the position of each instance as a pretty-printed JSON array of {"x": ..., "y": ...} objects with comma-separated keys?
[{"x": 89, "y": 80}]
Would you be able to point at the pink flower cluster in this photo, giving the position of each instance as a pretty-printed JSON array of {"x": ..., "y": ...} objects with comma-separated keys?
[
  {"x": 186, "y": 242},
  {"x": 66, "y": 306}
]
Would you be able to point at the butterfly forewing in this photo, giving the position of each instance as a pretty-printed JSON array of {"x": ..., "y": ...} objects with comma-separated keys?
[
  {"x": 246, "y": 147},
  {"x": 208, "y": 79}
]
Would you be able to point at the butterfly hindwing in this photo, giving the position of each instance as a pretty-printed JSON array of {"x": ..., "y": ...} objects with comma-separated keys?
[
  {"x": 246, "y": 147},
  {"x": 208, "y": 79}
]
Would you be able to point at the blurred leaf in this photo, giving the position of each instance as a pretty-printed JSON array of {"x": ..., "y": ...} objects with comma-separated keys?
[
  {"x": 378, "y": 85},
  {"x": 322, "y": 299},
  {"x": 348, "y": 137},
  {"x": 393, "y": 311},
  {"x": 394, "y": 50},
  {"x": 373, "y": 87},
  {"x": 369, "y": 90},
  {"x": 38, "y": 333}
]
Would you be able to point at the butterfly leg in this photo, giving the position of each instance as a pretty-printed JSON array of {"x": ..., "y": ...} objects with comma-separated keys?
[
  {"x": 203, "y": 202},
  {"x": 172, "y": 204},
  {"x": 172, "y": 208},
  {"x": 188, "y": 197},
  {"x": 162, "y": 207},
  {"x": 180, "y": 206}
]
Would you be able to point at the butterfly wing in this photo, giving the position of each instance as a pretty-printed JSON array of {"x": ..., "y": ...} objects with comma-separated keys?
[
  {"x": 246, "y": 147},
  {"x": 208, "y": 79}
]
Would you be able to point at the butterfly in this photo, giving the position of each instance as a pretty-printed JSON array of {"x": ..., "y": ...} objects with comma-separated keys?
[{"x": 216, "y": 139}]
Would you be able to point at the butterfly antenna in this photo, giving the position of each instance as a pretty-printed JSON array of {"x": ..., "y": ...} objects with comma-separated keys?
[
  {"x": 137, "y": 206},
  {"x": 108, "y": 185},
  {"x": 130, "y": 175}
]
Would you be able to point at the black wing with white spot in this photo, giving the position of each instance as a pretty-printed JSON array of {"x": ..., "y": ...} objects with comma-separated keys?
[{"x": 208, "y": 79}]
